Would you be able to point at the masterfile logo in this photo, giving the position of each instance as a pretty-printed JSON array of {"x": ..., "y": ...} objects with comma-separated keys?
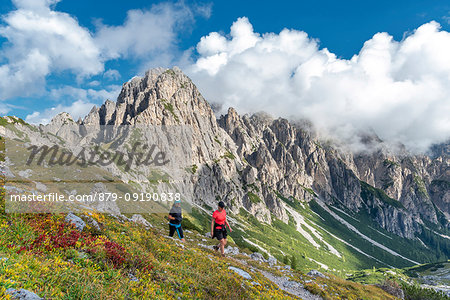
[{"x": 128, "y": 168}]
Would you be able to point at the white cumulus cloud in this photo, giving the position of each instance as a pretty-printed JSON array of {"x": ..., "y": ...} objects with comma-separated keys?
[
  {"x": 40, "y": 41},
  {"x": 77, "y": 109},
  {"x": 87, "y": 95},
  {"x": 111, "y": 74},
  {"x": 398, "y": 89},
  {"x": 145, "y": 33},
  {"x": 83, "y": 101}
]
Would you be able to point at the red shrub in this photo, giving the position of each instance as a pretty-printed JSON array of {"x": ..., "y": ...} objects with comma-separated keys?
[{"x": 115, "y": 253}]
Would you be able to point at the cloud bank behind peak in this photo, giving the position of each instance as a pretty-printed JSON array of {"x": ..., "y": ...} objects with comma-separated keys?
[{"x": 399, "y": 90}]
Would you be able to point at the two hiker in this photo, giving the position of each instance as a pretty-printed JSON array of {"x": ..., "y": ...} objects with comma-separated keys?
[{"x": 218, "y": 224}]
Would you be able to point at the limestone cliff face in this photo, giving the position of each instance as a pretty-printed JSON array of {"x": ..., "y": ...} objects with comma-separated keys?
[
  {"x": 255, "y": 161},
  {"x": 400, "y": 192}
]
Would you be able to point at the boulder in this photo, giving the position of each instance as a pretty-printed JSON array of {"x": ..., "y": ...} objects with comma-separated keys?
[
  {"x": 272, "y": 261},
  {"x": 257, "y": 256},
  {"x": 22, "y": 294},
  {"x": 133, "y": 278},
  {"x": 231, "y": 250},
  {"x": 137, "y": 218},
  {"x": 76, "y": 221},
  {"x": 315, "y": 273},
  {"x": 241, "y": 272}
]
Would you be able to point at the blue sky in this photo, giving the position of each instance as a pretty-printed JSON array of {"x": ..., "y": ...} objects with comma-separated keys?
[
  {"x": 87, "y": 49},
  {"x": 341, "y": 26}
]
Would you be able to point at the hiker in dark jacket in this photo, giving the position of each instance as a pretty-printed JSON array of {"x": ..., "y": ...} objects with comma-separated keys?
[{"x": 175, "y": 219}]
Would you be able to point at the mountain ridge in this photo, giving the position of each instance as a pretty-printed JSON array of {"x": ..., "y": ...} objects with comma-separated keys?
[{"x": 276, "y": 155}]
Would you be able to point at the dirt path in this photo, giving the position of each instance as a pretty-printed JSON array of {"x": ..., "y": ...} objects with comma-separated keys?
[{"x": 290, "y": 286}]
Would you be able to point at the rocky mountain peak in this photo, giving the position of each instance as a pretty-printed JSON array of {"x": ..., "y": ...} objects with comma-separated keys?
[
  {"x": 61, "y": 118},
  {"x": 161, "y": 97}
]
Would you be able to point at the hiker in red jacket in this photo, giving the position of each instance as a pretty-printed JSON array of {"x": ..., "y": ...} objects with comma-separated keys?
[{"x": 218, "y": 228}]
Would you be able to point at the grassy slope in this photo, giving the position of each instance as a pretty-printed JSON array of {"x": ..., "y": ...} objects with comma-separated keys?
[
  {"x": 43, "y": 254},
  {"x": 99, "y": 266},
  {"x": 409, "y": 278},
  {"x": 48, "y": 257},
  {"x": 283, "y": 239},
  {"x": 412, "y": 249}
]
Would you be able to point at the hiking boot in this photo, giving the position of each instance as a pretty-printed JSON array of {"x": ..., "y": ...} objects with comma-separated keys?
[{"x": 216, "y": 247}]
